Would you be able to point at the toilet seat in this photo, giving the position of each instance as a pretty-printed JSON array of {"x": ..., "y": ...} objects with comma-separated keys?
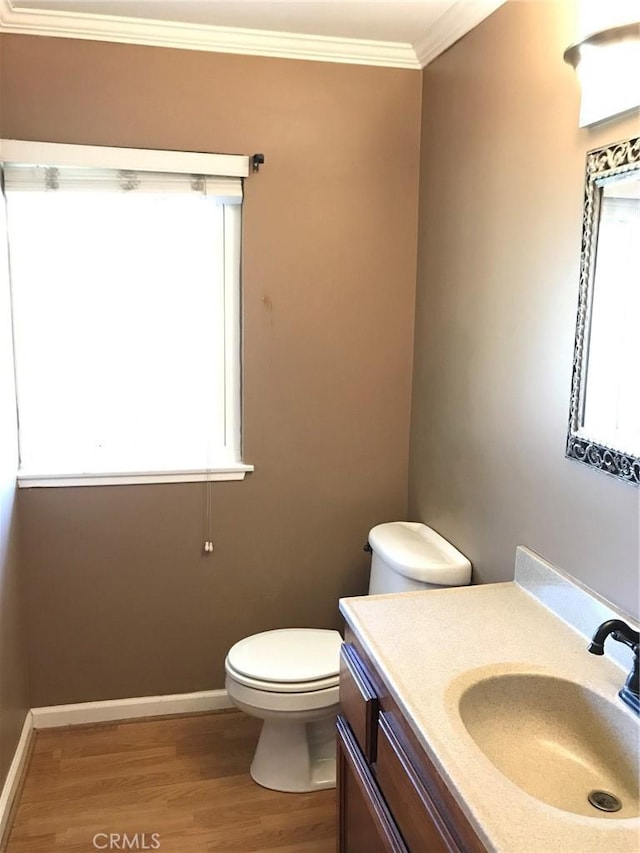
[
  {"x": 287, "y": 660},
  {"x": 279, "y": 686},
  {"x": 290, "y": 703}
]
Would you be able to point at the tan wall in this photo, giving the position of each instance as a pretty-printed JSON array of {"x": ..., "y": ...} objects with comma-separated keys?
[
  {"x": 121, "y": 600},
  {"x": 500, "y": 218},
  {"x": 14, "y": 701}
]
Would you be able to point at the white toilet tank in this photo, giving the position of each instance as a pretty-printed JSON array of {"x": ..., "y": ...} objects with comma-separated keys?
[{"x": 408, "y": 556}]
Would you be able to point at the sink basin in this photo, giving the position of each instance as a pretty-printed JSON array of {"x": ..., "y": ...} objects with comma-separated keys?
[{"x": 556, "y": 740}]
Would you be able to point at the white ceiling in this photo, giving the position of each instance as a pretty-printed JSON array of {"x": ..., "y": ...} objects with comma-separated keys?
[{"x": 407, "y": 34}]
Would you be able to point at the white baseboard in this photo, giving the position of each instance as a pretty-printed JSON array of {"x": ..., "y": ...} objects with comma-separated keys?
[
  {"x": 112, "y": 710},
  {"x": 14, "y": 776}
]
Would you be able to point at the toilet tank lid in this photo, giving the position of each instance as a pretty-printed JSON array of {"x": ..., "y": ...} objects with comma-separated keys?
[{"x": 416, "y": 551}]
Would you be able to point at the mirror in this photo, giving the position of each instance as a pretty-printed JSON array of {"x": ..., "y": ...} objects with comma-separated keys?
[{"x": 604, "y": 419}]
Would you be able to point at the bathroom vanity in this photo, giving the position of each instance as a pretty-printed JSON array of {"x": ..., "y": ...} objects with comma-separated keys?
[
  {"x": 388, "y": 788},
  {"x": 474, "y": 719}
]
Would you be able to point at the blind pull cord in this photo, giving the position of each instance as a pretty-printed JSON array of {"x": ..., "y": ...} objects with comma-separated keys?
[{"x": 207, "y": 547}]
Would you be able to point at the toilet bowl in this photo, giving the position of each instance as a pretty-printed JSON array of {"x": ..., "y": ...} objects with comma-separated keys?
[{"x": 289, "y": 677}]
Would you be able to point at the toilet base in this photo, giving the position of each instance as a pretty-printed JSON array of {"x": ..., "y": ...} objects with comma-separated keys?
[{"x": 294, "y": 756}]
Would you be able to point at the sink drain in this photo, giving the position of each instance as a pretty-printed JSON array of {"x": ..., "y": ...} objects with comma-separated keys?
[{"x": 604, "y": 801}]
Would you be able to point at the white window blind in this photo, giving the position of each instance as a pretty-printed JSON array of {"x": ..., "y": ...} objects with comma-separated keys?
[{"x": 125, "y": 289}]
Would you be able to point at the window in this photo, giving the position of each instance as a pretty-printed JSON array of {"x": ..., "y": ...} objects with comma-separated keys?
[{"x": 126, "y": 315}]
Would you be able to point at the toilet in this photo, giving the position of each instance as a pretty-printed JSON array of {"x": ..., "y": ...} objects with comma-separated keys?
[{"x": 289, "y": 677}]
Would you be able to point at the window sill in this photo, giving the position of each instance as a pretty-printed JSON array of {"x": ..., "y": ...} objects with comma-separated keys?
[{"x": 228, "y": 472}]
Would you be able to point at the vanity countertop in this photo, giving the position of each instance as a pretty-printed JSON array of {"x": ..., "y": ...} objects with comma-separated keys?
[{"x": 426, "y": 643}]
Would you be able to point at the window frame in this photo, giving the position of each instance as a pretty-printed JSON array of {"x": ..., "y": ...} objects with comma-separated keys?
[{"x": 232, "y": 166}]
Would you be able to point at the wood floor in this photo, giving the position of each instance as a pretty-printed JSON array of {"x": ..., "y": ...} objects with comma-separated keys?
[{"x": 185, "y": 779}]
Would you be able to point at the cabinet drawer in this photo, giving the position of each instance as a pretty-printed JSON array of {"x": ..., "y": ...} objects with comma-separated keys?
[
  {"x": 366, "y": 826},
  {"x": 358, "y": 700},
  {"x": 415, "y": 813}
]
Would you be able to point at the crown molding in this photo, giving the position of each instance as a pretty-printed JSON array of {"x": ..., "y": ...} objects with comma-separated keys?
[
  {"x": 461, "y": 17},
  {"x": 112, "y": 28}
]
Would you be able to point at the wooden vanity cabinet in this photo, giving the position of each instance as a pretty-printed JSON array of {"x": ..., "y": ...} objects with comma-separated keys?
[{"x": 391, "y": 798}]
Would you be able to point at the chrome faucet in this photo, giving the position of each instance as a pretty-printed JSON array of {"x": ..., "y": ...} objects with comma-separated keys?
[{"x": 620, "y": 631}]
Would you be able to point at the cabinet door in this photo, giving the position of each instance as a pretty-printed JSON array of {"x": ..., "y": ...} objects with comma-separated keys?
[
  {"x": 416, "y": 814},
  {"x": 365, "y": 824}
]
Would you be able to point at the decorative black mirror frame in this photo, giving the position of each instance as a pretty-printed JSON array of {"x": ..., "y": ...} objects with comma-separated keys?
[{"x": 602, "y": 164}]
